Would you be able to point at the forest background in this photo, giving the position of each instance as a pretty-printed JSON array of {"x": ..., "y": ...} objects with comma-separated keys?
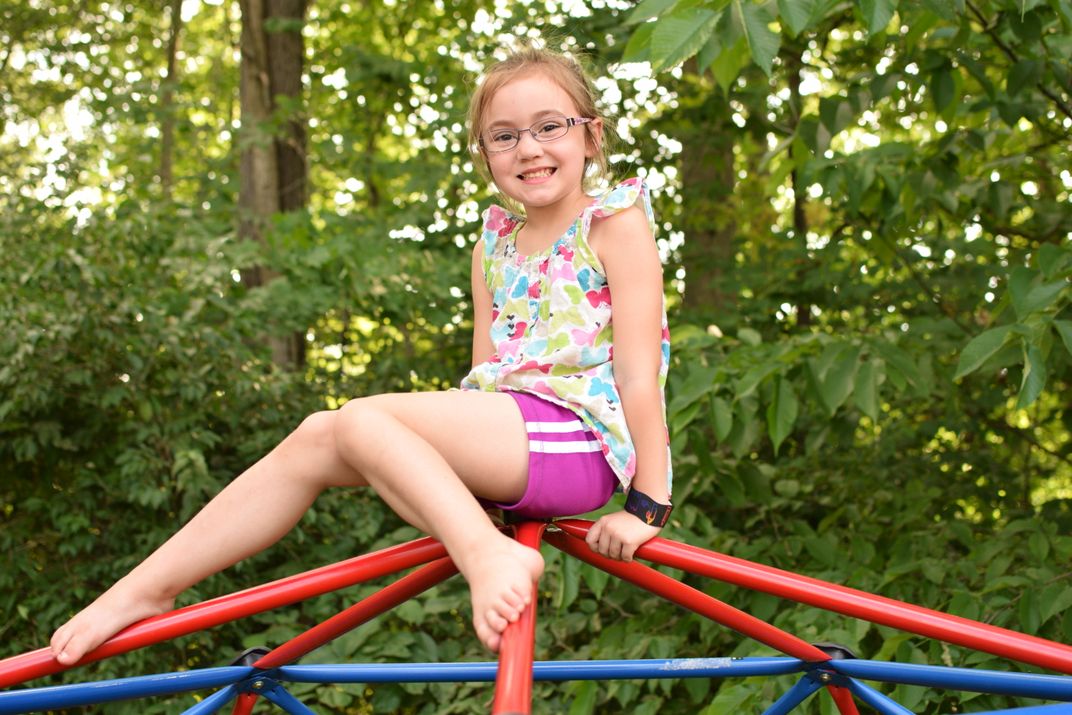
[{"x": 217, "y": 216}]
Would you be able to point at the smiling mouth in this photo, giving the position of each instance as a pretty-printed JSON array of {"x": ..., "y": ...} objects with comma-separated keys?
[{"x": 538, "y": 174}]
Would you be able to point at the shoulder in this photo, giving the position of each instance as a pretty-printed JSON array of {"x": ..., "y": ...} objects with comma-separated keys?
[
  {"x": 623, "y": 227},
  {"x": 621, "y": 218}
]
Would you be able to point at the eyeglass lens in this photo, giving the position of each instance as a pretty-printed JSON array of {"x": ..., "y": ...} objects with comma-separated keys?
[{"x": 545, "y": 130}]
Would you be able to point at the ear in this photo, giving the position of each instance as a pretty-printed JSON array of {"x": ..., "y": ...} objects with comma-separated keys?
[{"x": 594, "y": 138}]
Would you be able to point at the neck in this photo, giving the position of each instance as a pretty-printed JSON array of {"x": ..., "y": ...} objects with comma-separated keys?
[{"x": 555, "y": 218}]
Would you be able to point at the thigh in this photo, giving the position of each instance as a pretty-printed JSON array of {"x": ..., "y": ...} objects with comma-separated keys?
[{"x": 481, "y": 435}]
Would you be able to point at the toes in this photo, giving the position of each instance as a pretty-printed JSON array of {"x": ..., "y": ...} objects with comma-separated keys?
[
  {"x": 497, "y": 621},
  {"x": 60, "y": 643},
  {"x": 522, "y": 596},
  {"x": 71, "y": 652},
  {"x": 59, "y": 639},
  {"x": 487, "y": 636}
]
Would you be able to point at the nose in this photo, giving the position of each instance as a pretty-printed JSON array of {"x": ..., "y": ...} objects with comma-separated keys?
[{"x": 527, "y": 145}]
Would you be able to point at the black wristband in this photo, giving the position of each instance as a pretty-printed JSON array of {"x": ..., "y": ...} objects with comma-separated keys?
[{"x": 647, "y": 509}]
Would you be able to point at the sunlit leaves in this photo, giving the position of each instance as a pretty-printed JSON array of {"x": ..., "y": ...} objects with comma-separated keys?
[
  {"x": 796, "y": 14},
  {"x": 680, "y": 36},
  {"x": 753, "y": 21},
  {"x": 725, "y": 34},
  {"x": 876, "y": 13},
  {"x": 649, "y": 9}
]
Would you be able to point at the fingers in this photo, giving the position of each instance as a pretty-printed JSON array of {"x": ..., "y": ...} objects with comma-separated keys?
[
  {"x": 605, "y": 542},
  {"x": 618, "y": 536},
  {"x": 592, "y": 538}
]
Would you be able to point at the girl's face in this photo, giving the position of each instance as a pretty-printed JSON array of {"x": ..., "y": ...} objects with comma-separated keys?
[{"x": 538, "y": 174}]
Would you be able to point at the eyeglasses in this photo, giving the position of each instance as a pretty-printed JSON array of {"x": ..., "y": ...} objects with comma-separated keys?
[{"x": 545, "y": 130}]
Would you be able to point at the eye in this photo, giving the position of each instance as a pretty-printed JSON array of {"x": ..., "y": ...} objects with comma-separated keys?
[
  {"x": 502, "y": 136},
  {"x": 550, "y": 126}
]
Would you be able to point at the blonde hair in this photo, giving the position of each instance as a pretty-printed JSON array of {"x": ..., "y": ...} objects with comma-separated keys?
[{"x": 564, "y": 71}]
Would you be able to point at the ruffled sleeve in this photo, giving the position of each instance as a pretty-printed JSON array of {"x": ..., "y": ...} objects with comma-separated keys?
[
  {"x": 498, "y": 224},
  {"x": 618, "y": 198}
]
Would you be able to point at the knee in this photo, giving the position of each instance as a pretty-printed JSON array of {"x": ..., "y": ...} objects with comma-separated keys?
[
  {"x": 317, "y": 430},
  {"x": 357, "y": 430}
]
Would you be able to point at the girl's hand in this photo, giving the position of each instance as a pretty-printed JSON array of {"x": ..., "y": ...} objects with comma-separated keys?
[{"x": 619, "y": 535}]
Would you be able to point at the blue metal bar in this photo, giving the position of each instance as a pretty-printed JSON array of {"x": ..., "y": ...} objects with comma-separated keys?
[
  {"x": 80, "y": 694},
  {"x": 877, "y": 700},
  {"x": 1029, "y": 685},
  {"x": 801, "y": 691},
  {"x": 1059, "y": 709},
  {"x": 542, "y": 670},
  {"x": 281, "y": 697},
  {"x": 214, "y": 702}
]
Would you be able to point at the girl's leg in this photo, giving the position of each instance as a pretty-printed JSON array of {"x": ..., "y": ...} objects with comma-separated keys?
[
  {"x": 418, "y": 448},
  {"x": 427, "y": 455},
  {"x": 252, "y": 512}
]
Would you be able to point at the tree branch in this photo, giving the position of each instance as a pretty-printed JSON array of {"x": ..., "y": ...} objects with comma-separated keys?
[
  {"x": 922, "y": 283},
  {"x": 988, "y": 28}
]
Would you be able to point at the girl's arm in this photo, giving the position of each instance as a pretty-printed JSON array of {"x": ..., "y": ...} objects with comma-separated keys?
[
  {"x": 630, "y": 258},
  {"x": 483, "y": 348}
]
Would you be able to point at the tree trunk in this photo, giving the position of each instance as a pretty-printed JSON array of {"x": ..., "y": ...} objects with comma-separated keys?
[
  {"x": 167, "y": 108},
  {"x": 709, "y": 222},
  {"x": 794, "y": 65},
  {"x": 285, "y": 55},
  {"x": 272, "y": 168}
]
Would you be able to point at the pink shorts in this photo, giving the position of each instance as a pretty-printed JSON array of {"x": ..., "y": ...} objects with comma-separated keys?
[{"x": 567, "y": 471}]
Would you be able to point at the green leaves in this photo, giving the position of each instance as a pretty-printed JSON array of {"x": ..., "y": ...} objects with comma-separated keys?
[
  {"x": 781, "y": 413},
  {"x": 680, "y": 36},
  {"x": 833, "y": 374},
  {"x": 724, "y": 34},
  {"x": 754, "y": 21},
  {"x": 1030, "y": 293},
  {"x": 762, "y": 388},
  {"x": 1036, "y": 296},
  {"x": 796, "y": 14},
  {"x": 876, "y": 13},
  {"x": 980, "y": 349},
  {"x": 1034, "y": 376}
]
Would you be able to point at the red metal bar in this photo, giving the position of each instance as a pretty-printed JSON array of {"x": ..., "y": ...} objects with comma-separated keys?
[
  {"x": 843, "y": 699},
  {"x": 513, "y": 680},
  {"x": 20, "y": 668},
  {"x": 850, "y": 602},
  {"x": 365, "y": 610},
  {"x": 677, "y": 592},
  {"x": 244, "y": 704}
]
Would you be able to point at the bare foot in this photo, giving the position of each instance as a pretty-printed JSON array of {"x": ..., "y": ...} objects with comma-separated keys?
[
  {"x": 113, "y": 610},
  {"x": 501, "y": 574}
]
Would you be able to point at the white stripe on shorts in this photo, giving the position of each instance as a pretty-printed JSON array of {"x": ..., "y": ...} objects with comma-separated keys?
[
  {"x": 555, "y": 427},
  {"x": 537, "y": 445}
]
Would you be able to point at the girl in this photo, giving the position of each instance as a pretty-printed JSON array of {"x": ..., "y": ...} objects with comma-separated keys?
[{"x": 552, "y": 417}]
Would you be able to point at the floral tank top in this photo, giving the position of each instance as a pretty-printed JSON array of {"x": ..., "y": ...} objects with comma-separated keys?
[{"x": 552, "y": 324}]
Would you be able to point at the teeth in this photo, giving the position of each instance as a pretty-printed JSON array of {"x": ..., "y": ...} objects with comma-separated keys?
[{"x": 537, "y": 174}]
